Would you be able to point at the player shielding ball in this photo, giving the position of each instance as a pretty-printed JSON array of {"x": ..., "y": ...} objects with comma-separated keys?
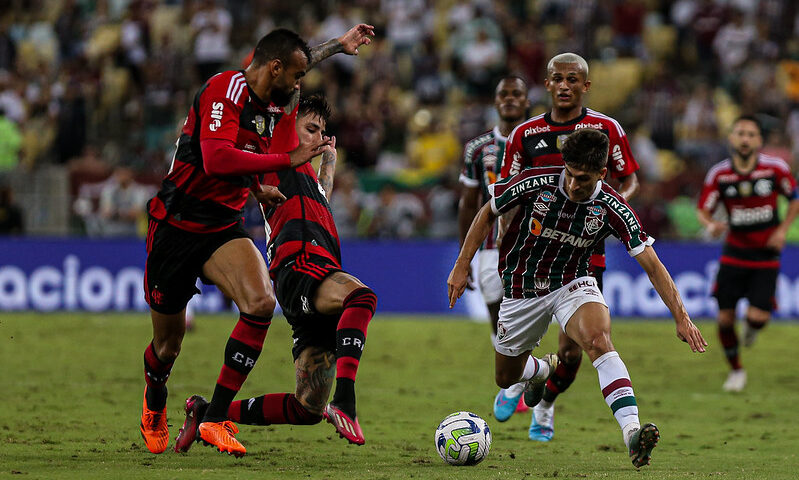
[
  {"x": 544, "y": 259},
  {"x": 747, "y": 184},
  {"x": 537, "y": 142},
  {"x": 328, "y": 309}
]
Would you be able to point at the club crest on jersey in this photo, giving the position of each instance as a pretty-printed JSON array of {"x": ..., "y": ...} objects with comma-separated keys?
[
  {"x": 541, "y": 283},
  {"x": 561, "y": 140},
  {"x": 260, "y": 124},
  {"x": 501, "y": 331},
  {"x": 763, "y": 187},
  {"x": 592, "y": 225},
  {"x": 535, "y": 227},
  {"x": 596, "y": 210},
  {"x": 490, "y": 155},
  {"x": 745, "y": 189}
]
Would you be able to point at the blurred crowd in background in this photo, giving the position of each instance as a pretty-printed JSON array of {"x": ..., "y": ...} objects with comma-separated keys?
[{"x": 92, "y": 95}]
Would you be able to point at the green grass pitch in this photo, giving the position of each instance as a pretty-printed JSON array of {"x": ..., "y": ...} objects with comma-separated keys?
[{"x": 72, "y": 390}]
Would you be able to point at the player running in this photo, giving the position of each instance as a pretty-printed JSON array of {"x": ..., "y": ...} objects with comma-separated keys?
[
  {"x": 747, "y": 184},
  {"x": 195, "y": 229},
  {"x": 328, "y": 309},
  {"x": 563, "y": 212},
  {"x": 537, "y": 142},
  {"x": 482, "y": 159}
]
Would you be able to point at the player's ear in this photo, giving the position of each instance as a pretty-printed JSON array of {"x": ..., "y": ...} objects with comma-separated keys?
[
  {"x": 587, "y": 85},
  {"x": 275, "y": 67}
]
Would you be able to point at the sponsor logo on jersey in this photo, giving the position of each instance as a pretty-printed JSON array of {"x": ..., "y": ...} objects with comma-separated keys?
[
  {"x": 535, "y": 227},
  {"x": 546, "y": 197},
  {"x": 260, "y": 124},
  {"x": 596, "y": 210},
  {"x": 490, "y": 154},
  {"x": 566, "y": 237},
  {"x": 763, "y": 187},
  {"x": 536, "y": 130},
  {"x": 745, "y": 189},
  {"x": 618, "y": 157},
  {"x": 249, "y": 147},
  {"x": 727, "y": 178},
  {"x": 731, "y": 191},
  {"x": 541, "y": 283},
  {"x": 490, "y": 177},
  {"x": 767, "y": 172},
  {"x": 516, "y": 165},
  {"x": 540, "y": 207},
  {"x": 587, "y": 283},
  {"x": 531, "y": 183},
  {"x": 751, "y": 216},
  {"x": 306, "y": 305},
  {"x": 541, "y": 144},
  {"x": 273, "y": 109},
  {"x": 216, "y": 116},
  {"x": 597, "y": 126},
  {"x": 592, "y": 225}
]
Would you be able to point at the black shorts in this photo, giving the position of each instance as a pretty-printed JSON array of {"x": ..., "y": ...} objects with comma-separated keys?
[
  {"x": 296, "y": 282},
  {"x": 755, "y": 284},
  {"x": 175, "y": 259}
]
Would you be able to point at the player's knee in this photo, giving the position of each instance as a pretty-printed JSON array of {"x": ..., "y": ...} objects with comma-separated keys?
[
  {"x": 599, "y": 343},
  {"x": 262, "y": 305},
  {"x": 167, "y": 351}
]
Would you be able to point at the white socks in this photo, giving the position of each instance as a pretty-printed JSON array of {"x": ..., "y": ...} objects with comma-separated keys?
[
  {"x": 533, "y": 369},
  {"x": 614, "y": 380}
]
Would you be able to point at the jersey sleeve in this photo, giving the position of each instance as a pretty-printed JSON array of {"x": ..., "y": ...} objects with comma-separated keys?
[
  {"x": 787, "y": 183},
  {"x": 469, "y": 173},
  {"x": 218, "y": 111},
  {"x": 512, "y": 160},
  {"x": 621, "y": 162},
  {"x": 709, "y": 196},
  {"x": 625, "y": 225}
]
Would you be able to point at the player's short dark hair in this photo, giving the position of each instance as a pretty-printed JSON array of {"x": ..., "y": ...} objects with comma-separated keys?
[
  {"x": 513, "y": 76},
  {"x": 586, "y": 149},
  {"x": 749, "y": 118},
  {"x": 315, "y": 105},
  {"x": 279, "y": 44}
]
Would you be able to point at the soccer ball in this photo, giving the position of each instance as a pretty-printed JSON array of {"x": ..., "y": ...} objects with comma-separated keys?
[{"x": 463, "y": 438}]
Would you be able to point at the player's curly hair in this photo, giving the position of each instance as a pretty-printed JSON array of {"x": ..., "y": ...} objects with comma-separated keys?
[
  {"x": 315, "y": 104},
  {"x": 586, "y": 149},
  {"x": 279, "y": 44}
]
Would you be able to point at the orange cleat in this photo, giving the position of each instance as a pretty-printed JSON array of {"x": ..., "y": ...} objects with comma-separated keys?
[
  {"x": 154, "y": 429},
  {"x": 221, "y": 435},
  {"x": 345, "y": 426}
]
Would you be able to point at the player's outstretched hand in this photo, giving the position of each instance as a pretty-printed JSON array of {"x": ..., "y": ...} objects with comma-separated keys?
[
  {"x": 687, "y": 332},
  {"x": 456, "y": 283},
  {"x": 331, "y": 147},
  {"x": 305, "y": 152},
  {"x": 355, "y": 37},
  {"x": 270, "y": 196}
]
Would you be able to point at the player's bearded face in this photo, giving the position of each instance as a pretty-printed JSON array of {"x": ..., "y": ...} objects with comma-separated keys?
[
  {"x": 288, "y": 81},
  {"x": 567, "y": 84},
  {"x": 745, "y": 138}
]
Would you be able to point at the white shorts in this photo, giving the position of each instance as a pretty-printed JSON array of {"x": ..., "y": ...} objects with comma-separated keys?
[
  {"x": 488, "y": 276},
  {"x": 524, "y": 321}
]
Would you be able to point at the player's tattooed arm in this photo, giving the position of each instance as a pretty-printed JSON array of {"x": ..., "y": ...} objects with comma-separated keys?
[
  {"x": 327, "y": 168},
  {"x": 316, "y": 369},
  {"x": 347, "y": 43}
]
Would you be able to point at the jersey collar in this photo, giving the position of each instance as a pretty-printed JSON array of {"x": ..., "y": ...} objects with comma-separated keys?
[
  {"x": 578, "y": 119},
  {"x": 590, "y": 199},
  {"x": 498, "y": 135}
]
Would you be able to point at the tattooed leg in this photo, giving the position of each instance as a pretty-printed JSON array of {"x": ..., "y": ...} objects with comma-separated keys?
[{"x": 316, "y": 368}]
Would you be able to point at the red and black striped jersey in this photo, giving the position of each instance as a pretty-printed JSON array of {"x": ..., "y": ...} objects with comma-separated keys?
[
  {"x": 537, "y": 142},
  {"x": 550, "y": 239},
  {"x": 751, "y": 203},
  {"x": 303, "y": 223},
  {"x": 223, "y": 109}
]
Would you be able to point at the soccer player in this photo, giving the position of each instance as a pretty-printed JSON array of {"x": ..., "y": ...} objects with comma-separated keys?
[
  {"x": 561, "y": 214},
  {"x": 537, "y": 142},
  {"x": 747, "y": 184},
  {"x": 195, "y": 219},
  {"x": 328, "y": 309},
  {"x": 482, "y": 158}
]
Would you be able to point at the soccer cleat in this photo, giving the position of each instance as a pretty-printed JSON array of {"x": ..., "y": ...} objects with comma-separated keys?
[
  {"x": 749, "y": 335},
  {"x": 534, "y": 390},
  {"x": 505, "y": 406},
  {"x": 221, "y": 435},
  {"x": 154, "y": 429},
  {"x": 736, "y": 381},
  {"x": 345, "y": 426},
  {"x": 542, "y": 426},
  {"x": 196, "y": 405},
  {"x": 521, "y": 407},
  {"x": 642, "y": 441}
]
